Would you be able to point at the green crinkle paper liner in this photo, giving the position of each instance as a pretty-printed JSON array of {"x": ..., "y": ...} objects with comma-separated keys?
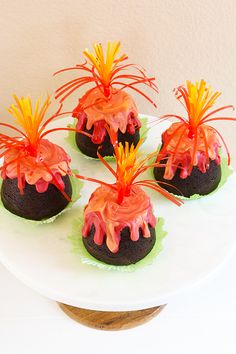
[
  {"x": 144, "y": 128},
  {"x": 76, "y": 185},
  {"x": 70, "y": 139},
  {"x": 78, "y": 248}
]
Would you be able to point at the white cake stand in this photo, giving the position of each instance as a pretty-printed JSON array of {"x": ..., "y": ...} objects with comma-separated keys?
[{"x": 200, "y": 237}]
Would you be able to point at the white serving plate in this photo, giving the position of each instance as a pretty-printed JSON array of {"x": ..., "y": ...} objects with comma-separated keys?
[{"x": 201, "y": 235}]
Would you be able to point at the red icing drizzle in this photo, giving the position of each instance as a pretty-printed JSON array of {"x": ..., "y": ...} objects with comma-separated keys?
[
  {"x": 118, "y": 111},
  {"x": 185, "y": 151},
  {"x": 109, "y": 217},
  {"x": 38, "y": 166}
]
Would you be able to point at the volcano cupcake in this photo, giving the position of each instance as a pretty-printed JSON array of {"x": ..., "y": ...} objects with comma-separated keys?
[
  {"x": 119, "y": 225},
  {"x": 35, "y": 171},
  {"x": 190, "y": 147},
  {"x": 106, "y": 103}
]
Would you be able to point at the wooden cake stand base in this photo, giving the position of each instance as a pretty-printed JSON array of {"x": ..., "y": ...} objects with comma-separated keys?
[{"x": 110, "y": 321}]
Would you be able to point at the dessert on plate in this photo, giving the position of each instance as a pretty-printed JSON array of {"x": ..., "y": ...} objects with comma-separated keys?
[
  {"x": 119, "y": 224},
  {"x": 190, "y": 147},
  {"x": 106, "y": 102},
  {"x": 35, "y": 172}
]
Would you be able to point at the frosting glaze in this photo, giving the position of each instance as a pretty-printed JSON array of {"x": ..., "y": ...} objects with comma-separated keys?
[
  {"x": 41, "y": 167},
  {"x": 109, "y": 218},
  {"x": 118, "y": 111},
  {"x": 185, "y": 151}
]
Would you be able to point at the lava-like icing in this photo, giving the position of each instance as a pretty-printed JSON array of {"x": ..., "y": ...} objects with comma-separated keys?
[
  {"x": 32, "y": 167},
  {"x": 181, "y": 147},
  {"x": 109, "y": 218},
  {"x": 119, "y": 112}
]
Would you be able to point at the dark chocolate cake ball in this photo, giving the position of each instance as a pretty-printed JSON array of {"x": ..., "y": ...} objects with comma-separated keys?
[
  {"x": 32, "y": 204},
  {"x": 130, "y": 252},
  {"x": 196, "y": 183},
  {"x": 88, "y": 148}
]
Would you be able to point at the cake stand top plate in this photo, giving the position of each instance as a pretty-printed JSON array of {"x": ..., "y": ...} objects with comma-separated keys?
[{"x": 201, "y": 235}]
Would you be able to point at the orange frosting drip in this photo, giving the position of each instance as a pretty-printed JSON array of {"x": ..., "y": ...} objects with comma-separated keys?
[
  {"x": 182, "y": 152},
  {"x": 32, "y": 166},
  {"x": 114, "y": 110},
  {"x": 109, "y": 218}
]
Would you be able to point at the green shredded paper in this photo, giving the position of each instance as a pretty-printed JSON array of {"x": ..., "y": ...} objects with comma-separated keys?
[{"x": 79, "y": 249}]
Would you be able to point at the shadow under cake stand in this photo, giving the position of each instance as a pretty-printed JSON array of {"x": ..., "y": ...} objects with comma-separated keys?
[{"x": 200, "y": 237}]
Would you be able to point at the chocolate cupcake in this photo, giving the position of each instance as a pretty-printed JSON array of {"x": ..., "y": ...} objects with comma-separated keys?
[
  {"x": 129, "y": 252},
  {"x": 196, "y": 183},
  {"x": 35, "y": 172},
  {"x": 188, "y": 162},
  {"x": 119, "y": 224},
  {"x": 106, "y": 104},
  {"x": 32, "y": 204},
  {"x": 119, "y": 234},
  {"x": 105, "y": 148}
]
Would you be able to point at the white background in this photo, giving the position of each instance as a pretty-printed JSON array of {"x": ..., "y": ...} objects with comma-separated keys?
[{"x": 174, "y": 40}]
